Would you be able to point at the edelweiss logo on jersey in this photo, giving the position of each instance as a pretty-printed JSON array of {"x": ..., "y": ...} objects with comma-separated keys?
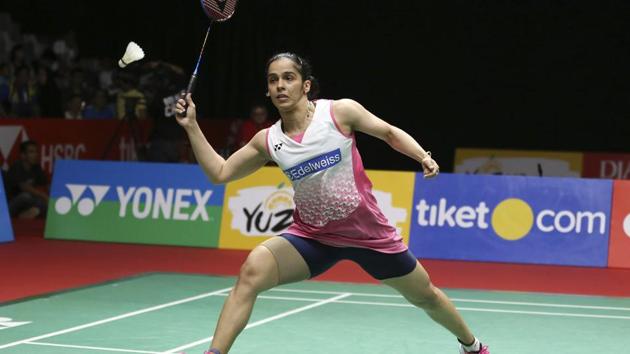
[
  {"x": 86, "y": 205},
  {"x": 316, "y": 164},
  {"x": 511, "y": 219}
]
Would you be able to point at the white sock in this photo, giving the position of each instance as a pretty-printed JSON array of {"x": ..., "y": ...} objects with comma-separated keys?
[{"x": 474, "y": 347}]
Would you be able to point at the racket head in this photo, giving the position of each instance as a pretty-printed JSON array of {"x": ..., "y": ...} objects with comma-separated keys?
[{"x": 219, "y": 10}]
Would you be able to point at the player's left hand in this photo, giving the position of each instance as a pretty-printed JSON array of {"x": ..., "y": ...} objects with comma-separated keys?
[{"x": 430, "y": 167}]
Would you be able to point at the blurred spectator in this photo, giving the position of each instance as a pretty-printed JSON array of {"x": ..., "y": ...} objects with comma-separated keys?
[
  {"x": 27, "y": 187},
  {"x": 49, "y": 60},
  {"x": 130, "y": 102},
  {"x": 17, "y": 58},
  {"x": 258, "y": 119},
  {"x": 66, "y": 48},
  {"x": 232, "y": 138},
  {"x": 78, "y": 85},
  {"x": 163, "y": 84},
  {"x": 4, "y": 89},
  {"x": 48, "y": 94},
  {"x": 99, "y": 108},
  {"x": 74, "y": 108},
  {"x": 32, "y": 48},
  {"x": 22, "y": 95},
  {"x": 104, "y": 73}
]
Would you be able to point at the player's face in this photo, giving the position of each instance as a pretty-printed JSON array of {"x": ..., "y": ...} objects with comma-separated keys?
[{"x": 285, "y": 84}]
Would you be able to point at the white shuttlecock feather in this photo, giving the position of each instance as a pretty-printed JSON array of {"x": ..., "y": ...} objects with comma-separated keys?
[{"x": 133, "y": 53}]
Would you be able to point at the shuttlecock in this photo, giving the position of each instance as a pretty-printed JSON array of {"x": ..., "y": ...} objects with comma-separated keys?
[{"x": 133, "y": 53}]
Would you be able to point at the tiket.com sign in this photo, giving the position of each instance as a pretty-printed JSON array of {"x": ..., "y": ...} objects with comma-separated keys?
[{"x": 512, "y": 219}]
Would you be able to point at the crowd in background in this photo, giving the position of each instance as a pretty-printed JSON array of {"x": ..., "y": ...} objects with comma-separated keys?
[
  {"x": 43, "y": 77},
  {"x": 48, "y": 78}
]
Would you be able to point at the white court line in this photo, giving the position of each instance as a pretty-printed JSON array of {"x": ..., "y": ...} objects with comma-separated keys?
[
  {"x": 341, "y": 295},
  {"x": 91, "y": 348},
  {"x": 115, "y": 318},
  {"x": 284, "y": 298},
  {"x": 540, "y": 304},
  {"x": 480, "y": 309},
  {"x": 560, "y": 314},
  {"x": 319, "y": 302}
]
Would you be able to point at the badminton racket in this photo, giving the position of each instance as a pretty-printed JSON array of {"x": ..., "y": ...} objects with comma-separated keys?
[{"x": 217, "y": 11}]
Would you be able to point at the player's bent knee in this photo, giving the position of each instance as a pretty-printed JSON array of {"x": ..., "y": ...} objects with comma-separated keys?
[
  {"x": 258, "y": 273},
  {"x": 426, "y": 299}
]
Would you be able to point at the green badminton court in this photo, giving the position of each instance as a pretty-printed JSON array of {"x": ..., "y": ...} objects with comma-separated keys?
[{"x": 172, "y": 313}]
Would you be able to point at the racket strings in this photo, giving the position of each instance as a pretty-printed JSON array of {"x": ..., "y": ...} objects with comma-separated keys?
[{"x": 219, "y": 10}]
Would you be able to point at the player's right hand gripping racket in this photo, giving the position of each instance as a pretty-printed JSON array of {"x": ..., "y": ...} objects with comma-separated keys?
[{"x": 216, "y": 10}]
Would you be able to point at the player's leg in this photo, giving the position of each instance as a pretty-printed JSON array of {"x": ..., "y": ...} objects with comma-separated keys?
[
  {"x": 417, "y": 288},
  {"x": 273, "y": 262},
  {"x": 405, "y": 274}
]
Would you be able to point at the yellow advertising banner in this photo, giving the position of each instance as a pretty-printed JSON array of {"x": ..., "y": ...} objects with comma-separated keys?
[
  {"x": 255, "y": 208},
  {"x": 261, "y": 205},
  {"x": 394, "y": 193},
  {"x": 518, "y": 162}
]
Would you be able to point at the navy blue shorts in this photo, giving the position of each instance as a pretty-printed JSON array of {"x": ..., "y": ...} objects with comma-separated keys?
[{"x": 320, "y": 258}]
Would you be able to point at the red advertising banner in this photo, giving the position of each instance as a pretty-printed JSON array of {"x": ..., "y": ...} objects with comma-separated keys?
[
  {"x": 613, "y": 166},
  {"x": 88, "y": 139},
  {"x": 71, "y": 139},
  {"x": 619, "y": 253}
]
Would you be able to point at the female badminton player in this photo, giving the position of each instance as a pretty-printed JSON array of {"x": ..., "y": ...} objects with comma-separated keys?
[{"x": 336, "y": 216}]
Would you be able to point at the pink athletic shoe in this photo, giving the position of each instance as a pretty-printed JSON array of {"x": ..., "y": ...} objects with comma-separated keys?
[{"x": 484, "y": 350}]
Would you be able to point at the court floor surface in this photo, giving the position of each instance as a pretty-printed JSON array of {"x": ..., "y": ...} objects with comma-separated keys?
[{"x": 172, "y": 313}]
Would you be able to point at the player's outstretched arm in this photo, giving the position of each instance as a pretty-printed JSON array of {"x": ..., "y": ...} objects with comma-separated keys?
[
  {"x": 352, "y": 116},
  {"x": 243, "y": 162}
]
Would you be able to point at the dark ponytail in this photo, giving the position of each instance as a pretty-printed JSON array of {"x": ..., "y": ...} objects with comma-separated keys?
[{"x": 304, "y": 68}]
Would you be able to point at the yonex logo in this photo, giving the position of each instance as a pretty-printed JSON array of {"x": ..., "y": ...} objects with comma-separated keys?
[
  {"x": 277, "y": 147},
  {"x": 86, "y": 205}
]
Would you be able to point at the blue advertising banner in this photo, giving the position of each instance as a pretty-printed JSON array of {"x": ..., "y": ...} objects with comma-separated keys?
[
  {"x": 562, "y": 221},
  {"x": 6, "y": 231},
  {"x": 153, "y": 203}
]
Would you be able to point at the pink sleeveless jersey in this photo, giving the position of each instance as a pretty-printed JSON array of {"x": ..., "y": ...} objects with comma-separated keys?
[{"x": 333, "y": 195}]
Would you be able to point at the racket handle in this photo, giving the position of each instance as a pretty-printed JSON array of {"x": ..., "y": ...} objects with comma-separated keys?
[
  {"x": 192, "y": 83},
  {"x": 190, "y": 89}
]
